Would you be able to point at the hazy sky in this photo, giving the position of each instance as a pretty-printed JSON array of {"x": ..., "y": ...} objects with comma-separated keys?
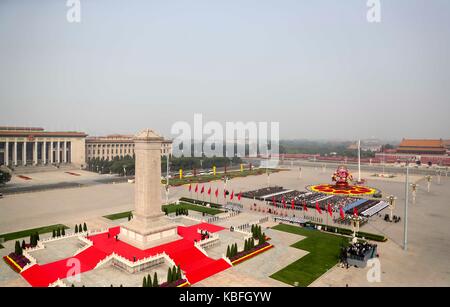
[{"x": 316, "y": 66}]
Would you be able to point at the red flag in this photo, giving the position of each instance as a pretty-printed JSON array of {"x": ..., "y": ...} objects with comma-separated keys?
[
  {"x": 224, "y": 193},
  {"x": 203, "y": 189},
  {"x": 273, "y": 201},
  {"x": 217, "y": 192},
  {"x": 341, "y": 212},
  {"x": 283, "y": 201},
  {"x": 330, "y": 211},
  {"x": 232, "y": 195},
  {"x": 239, "y": 196},
  {"x": 209, "y": 191},
  {"x": 196, "y": 188},
  {"x": 318, "y": 208},
  {"x": 355, "y": 212},
  {"x": 304, "y": 207},
  {"x": 190, "y": 187},
  {"x": 292, "y": 204}
]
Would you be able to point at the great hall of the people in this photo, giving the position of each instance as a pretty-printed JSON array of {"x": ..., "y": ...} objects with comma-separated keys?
[{"x": 32, "y": 146}]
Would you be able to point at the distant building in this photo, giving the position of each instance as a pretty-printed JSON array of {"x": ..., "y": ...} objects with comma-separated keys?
[
  {"x": 425, "y": 151},
  {"x": 422, "y": 147},
  {"x": 25, "y": 146},
  {"x": 116, "y": 145},
  {"x": 372, "y": 145}
]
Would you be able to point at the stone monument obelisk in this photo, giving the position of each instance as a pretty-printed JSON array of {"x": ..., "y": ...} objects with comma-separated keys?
[{"x": 148, "y": 227}]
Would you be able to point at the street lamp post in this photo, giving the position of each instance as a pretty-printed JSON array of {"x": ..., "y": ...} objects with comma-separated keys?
[
  {"x": 428, "y": 183},
  {"x": 355, "y": 220},
  {"x": 391, "y": 199},
  {"x": 405, "y": 241},
  {"x": 414, "y": 192}
]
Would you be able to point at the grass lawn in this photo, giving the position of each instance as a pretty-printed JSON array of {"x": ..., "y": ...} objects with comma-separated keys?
[
  {"x": 324, "y": 250},
  {"x": 28, "y": 232},
  {"x": 116, "y": 216},
  {"x": 172, "y": 208}
]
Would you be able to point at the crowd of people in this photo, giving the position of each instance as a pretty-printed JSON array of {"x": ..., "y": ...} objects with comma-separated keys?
[
  {"x": 360, "y": 250},
  {"x": 260, "y": 193}
]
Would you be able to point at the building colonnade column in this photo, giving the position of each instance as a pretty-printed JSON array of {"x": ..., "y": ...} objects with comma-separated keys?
[
  {"x": 6, "y": 153},
  {"x": 24, "y": 153}
]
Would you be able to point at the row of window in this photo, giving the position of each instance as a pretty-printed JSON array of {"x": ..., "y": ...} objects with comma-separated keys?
[
  {"x": 116, "y": 151},
  {"x": 109, "y": 145}
]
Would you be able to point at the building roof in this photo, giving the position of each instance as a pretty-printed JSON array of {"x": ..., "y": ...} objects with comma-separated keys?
[
  {"x": 422, "y": 143},
  {"x": 31, "y": 132},
  {"x": 422, "y": 146}
]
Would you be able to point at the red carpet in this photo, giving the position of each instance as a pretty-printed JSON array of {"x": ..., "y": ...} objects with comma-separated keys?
[{"x": 192, "y": 261}]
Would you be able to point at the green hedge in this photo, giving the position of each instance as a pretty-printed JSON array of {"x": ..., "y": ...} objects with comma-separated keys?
[{"x": 349, "y": 232}]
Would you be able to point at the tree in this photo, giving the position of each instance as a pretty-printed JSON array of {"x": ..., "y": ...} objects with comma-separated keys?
[
  {"x": 155, "y": 280},
  {"x": 80, "y": 228},
  {"x": 149, "y": 281},
  {"x": 63, "y": 231},
  {"x": 53, "y": 233},
  {"x": 144, "y": 282},
  {"x": 228, "y": 252},
  {"x": 17, "y": 248},
  {"x": 85, "y": 227},
  {"x": 5, "y": 176},
  {"x": 58, "y": 232},
  {"x": 76, "y": 228},
  {"x": 178, "y": 272},
  {"x": 23, "y": 244},
  {"x": 169, "y": 275},
  {"x": 174, "y": 273},
  {"x": 37, "y": 237},
  {"x": 32, "y": 240}
]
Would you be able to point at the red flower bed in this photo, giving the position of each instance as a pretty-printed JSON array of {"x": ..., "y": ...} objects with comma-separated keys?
[
  {"x": 238, "y": 256},
  {"x": 173, "y": 284},
  {"x": 14, "y": 261}
]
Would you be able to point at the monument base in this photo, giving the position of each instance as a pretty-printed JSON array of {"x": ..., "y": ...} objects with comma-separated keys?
[{"x": 147, "y": 232}]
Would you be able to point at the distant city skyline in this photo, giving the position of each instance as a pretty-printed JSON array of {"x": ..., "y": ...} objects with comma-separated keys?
[{"x": 316, "y": 67}]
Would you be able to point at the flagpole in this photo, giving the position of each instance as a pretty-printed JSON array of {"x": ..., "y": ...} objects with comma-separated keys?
[{"x": 405, "y": 242}]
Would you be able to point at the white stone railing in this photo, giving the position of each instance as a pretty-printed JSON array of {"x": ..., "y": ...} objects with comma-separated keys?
[
  {"x": 52, "y": 239},
  {"x": 85, "y": 240},
  {"x": 32, "y": 260},
  {"x": 105, "y": 260},
  {"x": 37, "y": 247},
  {"x": 132, "y": 265},
  {"x": 168, "y": 259},
  {"x": 58, "y": 283},
  {"x": 200, "y": 248},
  {"x": 97, "y": 231},
  {"x": 193, "y": 218},
  {"x": 246, "y": 233},
  {"x": 227, "y": 260},
  {"x": 213, "y": 238}
]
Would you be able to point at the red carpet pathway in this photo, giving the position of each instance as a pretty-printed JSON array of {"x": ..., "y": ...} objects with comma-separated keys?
[{"x": 192, "y": 261}]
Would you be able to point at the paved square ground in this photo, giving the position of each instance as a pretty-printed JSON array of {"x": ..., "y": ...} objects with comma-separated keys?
[{"x": 425, "y": 263}]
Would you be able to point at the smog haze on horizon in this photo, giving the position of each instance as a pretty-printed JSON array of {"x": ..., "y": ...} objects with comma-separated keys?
[{"x": 316, "y": 67}]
